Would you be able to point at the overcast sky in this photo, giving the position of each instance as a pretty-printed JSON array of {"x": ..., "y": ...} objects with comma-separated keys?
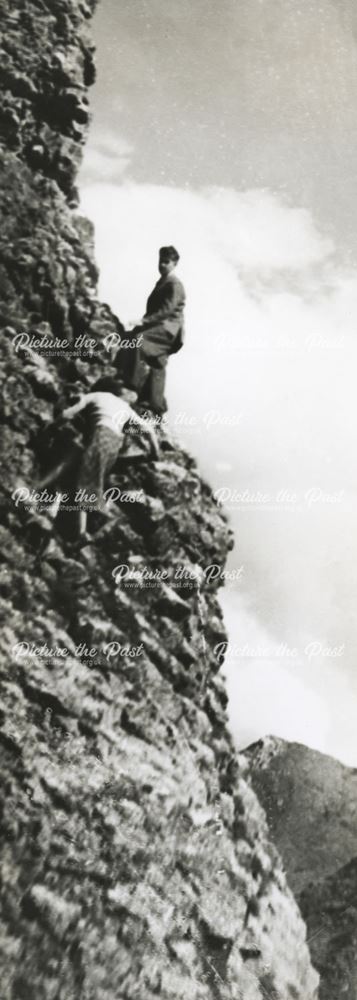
[
  {"x": 255, "y": 93},
  {"x": 231, "y": 132}
]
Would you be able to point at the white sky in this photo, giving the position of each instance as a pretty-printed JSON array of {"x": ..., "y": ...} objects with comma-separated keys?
[{"x": 270, "y": 356}]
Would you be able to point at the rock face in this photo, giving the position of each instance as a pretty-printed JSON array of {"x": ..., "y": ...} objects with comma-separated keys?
[
  {"x": 136, "y": 859},
  {"x": 311, "y": 806},
  {"x": 330, "y": 909},
  {"x": 44, "y": 105},
  {"x": 304, "y": 791}
]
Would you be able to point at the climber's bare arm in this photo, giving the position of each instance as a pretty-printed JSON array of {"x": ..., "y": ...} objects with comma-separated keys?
[{"x": 72, "y": 411}]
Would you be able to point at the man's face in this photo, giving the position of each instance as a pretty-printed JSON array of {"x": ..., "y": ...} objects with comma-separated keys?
[{"x": 166, "y": 266}]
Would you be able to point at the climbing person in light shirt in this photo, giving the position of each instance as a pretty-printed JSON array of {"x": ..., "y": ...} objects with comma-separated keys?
[{"x": 107, "y": 416}]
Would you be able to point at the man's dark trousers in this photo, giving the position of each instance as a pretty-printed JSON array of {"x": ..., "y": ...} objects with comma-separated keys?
[
  {"x": 149, "y": 369},
  {"x": 161, "y": 334}
]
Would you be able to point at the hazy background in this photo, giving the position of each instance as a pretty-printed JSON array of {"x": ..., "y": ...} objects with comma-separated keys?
[{"x": 231, "y": 133}]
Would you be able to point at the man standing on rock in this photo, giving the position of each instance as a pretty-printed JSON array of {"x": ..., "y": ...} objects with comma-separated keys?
[{"x": 159, "y": 334}]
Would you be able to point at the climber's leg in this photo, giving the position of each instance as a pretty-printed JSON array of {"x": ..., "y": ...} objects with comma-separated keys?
[
  {"x": 139, "y": 371},
  {"x": 150, "y": 369},
  {"x": 126, "y": 358},
  {"x": 151, "y": 353},
  {"x": 97, "y": 460},
  {"x": 155, "y": 386}
]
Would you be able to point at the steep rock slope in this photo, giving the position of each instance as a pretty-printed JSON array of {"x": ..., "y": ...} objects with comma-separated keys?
[
  {"x": 136, "y": 861},
  {"x": 311, "y": 806},
  {"x": 310, "y": 800},
  {"x": 330, "y": 909}
]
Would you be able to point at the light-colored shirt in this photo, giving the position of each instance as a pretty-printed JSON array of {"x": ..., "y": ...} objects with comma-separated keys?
[{"x": 107, "y": 410}]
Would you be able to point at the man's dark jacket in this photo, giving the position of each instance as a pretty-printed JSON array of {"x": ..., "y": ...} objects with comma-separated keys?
[{"x": 163, "y": 319}]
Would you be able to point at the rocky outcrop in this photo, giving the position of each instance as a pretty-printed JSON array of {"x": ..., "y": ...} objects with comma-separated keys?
[
  {"x": 136, "y": 859},
  {"x": 329, "y": 906},
  {"x": 310, "y": 802},
  {"x": 44, "y": 109}
]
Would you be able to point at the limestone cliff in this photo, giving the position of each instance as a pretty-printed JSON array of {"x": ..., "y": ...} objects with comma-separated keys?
[{"x": 136, "y": 860}]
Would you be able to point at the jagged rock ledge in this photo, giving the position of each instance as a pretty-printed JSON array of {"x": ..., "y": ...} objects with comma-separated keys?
[{"x": 136, "y": 860}]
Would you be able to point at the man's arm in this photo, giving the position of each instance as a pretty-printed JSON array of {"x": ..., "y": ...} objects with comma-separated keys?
[{"x": 73, "y": 410}]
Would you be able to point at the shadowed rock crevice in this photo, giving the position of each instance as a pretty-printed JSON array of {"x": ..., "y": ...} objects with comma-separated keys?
[{"x": 136, "y": 861}]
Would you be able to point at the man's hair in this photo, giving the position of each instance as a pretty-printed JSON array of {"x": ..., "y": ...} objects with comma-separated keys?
[
  {"x": 169, "y": 253},
  {"x": 108, "y": 384}
]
